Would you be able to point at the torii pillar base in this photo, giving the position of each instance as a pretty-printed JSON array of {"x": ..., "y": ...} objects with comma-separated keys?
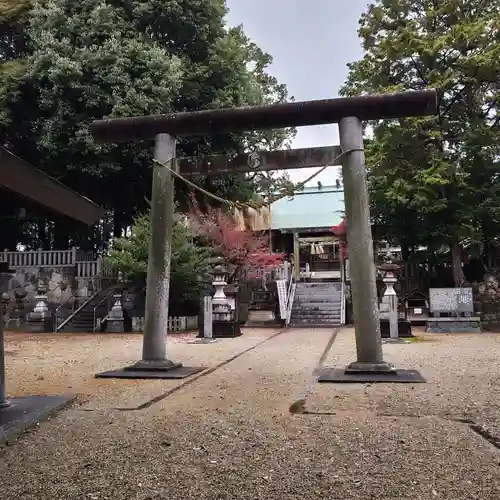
[
  {"x": 158, "y": 369},
  {"x": 363, "y": 373}
]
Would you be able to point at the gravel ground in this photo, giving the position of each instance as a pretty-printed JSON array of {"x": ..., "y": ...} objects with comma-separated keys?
[
  {"x": 229, "y": 435},
  {"x": 66, "y": 363}
]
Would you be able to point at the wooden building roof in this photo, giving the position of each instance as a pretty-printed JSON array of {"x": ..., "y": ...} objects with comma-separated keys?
[
  {"x": 25, "y": 180},
  {"x": 313, "y": 208}
]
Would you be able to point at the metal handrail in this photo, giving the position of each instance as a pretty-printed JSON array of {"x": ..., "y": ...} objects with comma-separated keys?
[
  {"x": 289, "y": 288},
  {"x": 290, "y": 307},
  {"x": 72, "y": 296},
  {"x": 97, "y": 306},
  {"x": 342, "y": 304},
  {"x": 60, "y": 306},
  {"x": 290, "y": 295},
  {"x": 100, "y": 275}
]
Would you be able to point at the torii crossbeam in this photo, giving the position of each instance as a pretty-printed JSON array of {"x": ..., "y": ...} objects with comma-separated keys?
[{"x": 349, "y": 114}]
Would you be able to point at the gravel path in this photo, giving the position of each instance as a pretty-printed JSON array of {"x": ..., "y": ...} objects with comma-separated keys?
[{"x": 229, "y": 434}]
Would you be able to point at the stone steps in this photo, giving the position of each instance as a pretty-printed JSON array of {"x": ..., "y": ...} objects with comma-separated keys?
[
  {"x": 314, "y": 323},
  {"x": 316, "y": 314},
  {"x": 317, "y": 305},
  {"x": 320, "y": 286},
  {"x": 318, "y": 293},
  {"x": 83, "y": 321},
  {"x": 315, "y": 300}
]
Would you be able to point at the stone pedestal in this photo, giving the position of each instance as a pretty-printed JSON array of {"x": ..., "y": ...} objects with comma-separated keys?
[
  {"x": 116, "y": 321},
  {"x": 404, "y": 329},
  {"x": 470, "y": 324},
  {"x": 205, "y": 335},
  {"x": 206, "y": 291},
  {"x": 224, "y": 329}
]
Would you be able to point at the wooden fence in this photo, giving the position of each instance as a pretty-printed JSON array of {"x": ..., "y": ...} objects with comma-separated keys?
[
  {"x": 176, "y": 324},
  {"x": 40, "y": 258},
  {"x": 87, "y": 264}
]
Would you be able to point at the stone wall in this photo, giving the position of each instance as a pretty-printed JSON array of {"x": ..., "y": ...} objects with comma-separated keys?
[
  {"x": 60, "y": 282},
  {"x": 487, "y": 302}
]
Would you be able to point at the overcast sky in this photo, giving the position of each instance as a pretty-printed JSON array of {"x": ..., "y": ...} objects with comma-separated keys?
[{"x": 311, "y": 42}]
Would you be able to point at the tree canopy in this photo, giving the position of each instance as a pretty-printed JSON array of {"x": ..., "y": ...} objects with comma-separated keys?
[
  {"x": 434, "y": 180},
  {"x": 65, "y": 63}
]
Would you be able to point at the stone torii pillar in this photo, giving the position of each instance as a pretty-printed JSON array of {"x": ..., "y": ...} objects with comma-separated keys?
[{"x": 349, "y": 114}]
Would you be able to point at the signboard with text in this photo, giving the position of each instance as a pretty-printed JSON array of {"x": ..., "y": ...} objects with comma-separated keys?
[{"x": 451, "y": 300}]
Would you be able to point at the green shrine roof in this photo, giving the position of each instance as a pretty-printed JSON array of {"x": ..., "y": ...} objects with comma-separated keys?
[{"x": 313, "y": 207}]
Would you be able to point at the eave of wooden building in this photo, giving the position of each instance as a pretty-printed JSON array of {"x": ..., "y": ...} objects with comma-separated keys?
[{"x": 25, "y": 180}]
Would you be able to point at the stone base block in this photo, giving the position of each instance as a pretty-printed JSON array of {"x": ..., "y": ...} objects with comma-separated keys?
[
  {"x": 452, "y": 325},
  {"x": 176, "y": 372},
  {"x": 45, "y": 325},
  {"x": 115, "y": 326},
  {"x": 263, "y": 316},
  {"x": 404, "y": 328},
  {"x": 224, "y": 329},
  {"x": 342, "y": 376},
  {"x": 24, "y": 413}
]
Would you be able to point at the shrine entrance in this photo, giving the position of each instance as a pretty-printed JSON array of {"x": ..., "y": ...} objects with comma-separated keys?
[
  {"x": 349, "y": 114},
  {"x": 320, "y": 258}
]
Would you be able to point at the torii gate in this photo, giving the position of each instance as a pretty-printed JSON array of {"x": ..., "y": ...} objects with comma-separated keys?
[{"x": 349, "y": 114}]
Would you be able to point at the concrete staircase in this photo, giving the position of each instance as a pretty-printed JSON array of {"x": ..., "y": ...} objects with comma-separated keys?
[
  {"x": 83, "y": 319},
  {"x": 317, "y": 304}
]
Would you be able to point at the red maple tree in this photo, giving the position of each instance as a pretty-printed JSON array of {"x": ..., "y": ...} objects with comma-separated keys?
[
  {"x": 244, "y": 251},
  {"x": 340, "y": 230}
]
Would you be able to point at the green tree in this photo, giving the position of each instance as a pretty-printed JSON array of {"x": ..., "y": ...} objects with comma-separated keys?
[
  {"x": 78, "y": 61},
  {"x": 268, "y": 184},
  {"x": 130, "y": 256},
  {"x": 433, "y": 179}
]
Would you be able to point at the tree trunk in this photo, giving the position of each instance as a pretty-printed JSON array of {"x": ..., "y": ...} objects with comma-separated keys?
[
  {"x": 43, "y": 242},
  {"x": 61, "y": 235},
  {"x": 456, "y": 262},
  {"x": 405, "y": 279},
  {"x": 489, "y": 247},
  {"x": 117, "y": 225}
]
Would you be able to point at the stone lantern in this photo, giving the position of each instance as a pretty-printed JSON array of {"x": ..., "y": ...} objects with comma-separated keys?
[
  {"x": 389, "y": 306},
  {"x": 225, "y": 321},
  {"x": 40, "y": 319},
  {"x": 220, "y": 275}
]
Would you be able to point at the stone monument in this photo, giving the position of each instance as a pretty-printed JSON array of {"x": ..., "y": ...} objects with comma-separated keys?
[
  {"x": 206, "y": 293},
  {"x": 452, "y": 311}
]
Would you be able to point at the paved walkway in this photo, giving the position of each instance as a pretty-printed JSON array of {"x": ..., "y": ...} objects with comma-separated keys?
[{"x": 229, "y": 435}]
